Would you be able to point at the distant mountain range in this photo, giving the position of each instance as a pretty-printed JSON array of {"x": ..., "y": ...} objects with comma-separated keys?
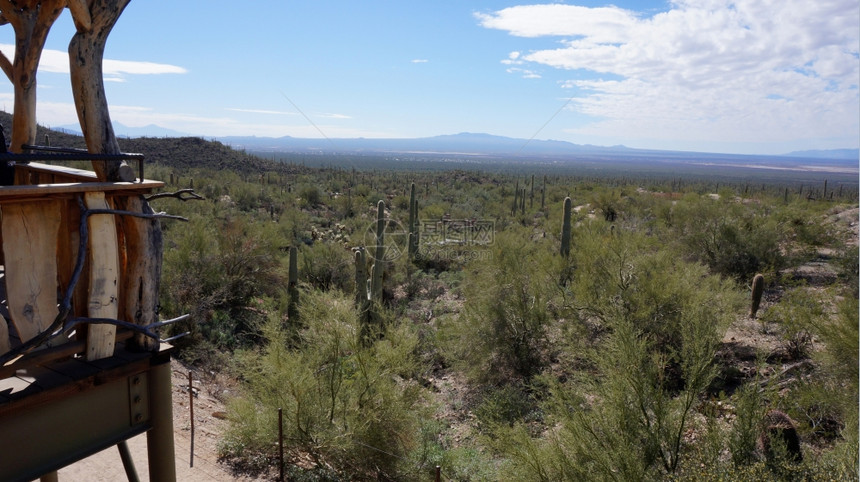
[
  {"x": 122, "y": 130},
  {"x": 463, "y": 144},
  {"x": 479, "y": 145},
  {"x": 470, "y": 145},
  {"x": 827, "y": 154}
]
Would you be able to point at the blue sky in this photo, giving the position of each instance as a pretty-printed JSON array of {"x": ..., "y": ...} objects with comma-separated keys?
[{"x": 742, "y": 76}]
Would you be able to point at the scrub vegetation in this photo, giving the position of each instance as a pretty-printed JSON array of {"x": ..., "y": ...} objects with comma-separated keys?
[{"x": 493, "y": 353}]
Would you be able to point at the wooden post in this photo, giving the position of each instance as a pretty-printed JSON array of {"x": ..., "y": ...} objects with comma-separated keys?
[
  {"x": 281, "y": 444},
  {"x": 94, "y": 20},
  {"x": 191, "y": 409},
  {"x": 159, "y": 440},
  {"x": 103, "y": 301},
  {"x": 31, "y": 21}
]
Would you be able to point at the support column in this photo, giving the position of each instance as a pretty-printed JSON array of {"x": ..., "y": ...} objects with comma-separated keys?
[{"x": 159, "y": 440}]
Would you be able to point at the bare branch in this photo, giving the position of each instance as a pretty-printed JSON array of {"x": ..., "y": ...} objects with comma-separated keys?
[
  {"x": 178, "y": 195},
  {"x": 6, "y": 65},
  {"x": 161, "y": 215}
]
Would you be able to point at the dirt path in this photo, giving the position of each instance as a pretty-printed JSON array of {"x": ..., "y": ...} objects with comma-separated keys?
[{"x": 106, "y": 465}]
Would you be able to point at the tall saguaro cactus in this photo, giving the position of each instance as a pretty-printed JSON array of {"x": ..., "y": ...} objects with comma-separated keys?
[
  {"x": 565, "y": 228},
  {"x": 367, "y": 290},
  {"x": 413, "y": 240},
  {"x": 516, "y": 199},
  {"x": 362, "y": 294},
  {"x": 293, "y": 286},
  {"x": 379, "y": 256},
  {"x": 543, "y": 194},
  {"x": 532, "y": 193}
]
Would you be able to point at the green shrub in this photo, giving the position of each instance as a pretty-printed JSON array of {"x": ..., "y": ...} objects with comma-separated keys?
[
  {"x": 796, "y": 315},
  {"x": 348, "y": 404},
  {"x": 732, "y": 238},
  {"x": 502, "y": 328},
  {"x": 310, "y": 196},
  {"x": 327, "y": 266},
  {"x": 662, "y": 320}
]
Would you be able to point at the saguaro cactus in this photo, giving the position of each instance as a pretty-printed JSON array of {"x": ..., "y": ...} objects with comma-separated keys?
[
  {"x": 370, "y": 289},
  {"x": 757, "y": 290},
  {"x": 543, "y": 194},
  {"x": 565, "y": 228},
  {"x": 516, "y": 199},
  {"x": 362, "y": 295},
  {"x": 532, "y": 193},
  {"x": 293, "y": 285},
  {"x": 379, "y": 256},
  {"x": 413, "y": 239}
]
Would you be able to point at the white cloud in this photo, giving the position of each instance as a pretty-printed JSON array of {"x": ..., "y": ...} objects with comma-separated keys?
[
  {"x": 420, "y": 61},
  {"x": 262, "y": 111},
  {"x": 57, "y": 61},
  {"x": 334, "y": 116},
  {"x": 734, "y": 70},
  {"x": 604, "y": 24},
  {"x": 527, "y": 74},
  {"x": 53, "y": 114}
]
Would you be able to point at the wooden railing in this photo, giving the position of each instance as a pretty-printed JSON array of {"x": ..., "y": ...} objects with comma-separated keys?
[{"x": 46, "y": 264}]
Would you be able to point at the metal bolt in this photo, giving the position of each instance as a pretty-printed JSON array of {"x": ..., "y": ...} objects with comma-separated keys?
[
  {"x": 138, "y": 417},
  {"x": 135, "y": 381}
]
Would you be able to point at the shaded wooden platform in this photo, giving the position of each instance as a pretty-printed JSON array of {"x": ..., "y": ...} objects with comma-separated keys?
[
  {"x": 70, "y": 409},
  {"x": 69, "y": 391}
]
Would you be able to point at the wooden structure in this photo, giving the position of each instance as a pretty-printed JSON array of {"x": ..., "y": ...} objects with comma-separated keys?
[
  {"x": 85, "y": 384},
  {"x": 80, "y": 366}
]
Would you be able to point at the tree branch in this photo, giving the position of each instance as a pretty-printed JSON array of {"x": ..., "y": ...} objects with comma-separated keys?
[
  {"x": 6, "y": 65},
  {"x": 178, "y": 195}
]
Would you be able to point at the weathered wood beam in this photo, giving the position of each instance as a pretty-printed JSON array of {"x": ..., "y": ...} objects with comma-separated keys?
[
  {"x": 81, "y": 15},
  {"x": 31, "y": 20},
  {"x": 86, "y": 56},
  {"x": 103, "y": 301}
]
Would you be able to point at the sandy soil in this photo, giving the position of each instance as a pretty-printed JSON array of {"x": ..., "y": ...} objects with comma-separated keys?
[{"x": 106, "y": 466}]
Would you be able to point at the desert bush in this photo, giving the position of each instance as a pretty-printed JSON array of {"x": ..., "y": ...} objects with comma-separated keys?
[
  {"x": 502, "y": 328},
  {"x": 345, "y": 403},
  {"x": 732, "y": 238},
  {"x": 796, "y": 315},
  {"x": 326, "y": 266},
  {"x": 662, "y": 320},
  {"x": 310, "y": 196},
  {"x": 218, "y": 274}
]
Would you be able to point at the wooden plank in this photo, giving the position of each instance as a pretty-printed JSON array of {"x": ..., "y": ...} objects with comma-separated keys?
[
  {"x": 103, "y": 300},
  {"x": 41, "y": 191},
  {"x": 141, "y": 268},
  {"x": 30, "y": 249}
]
